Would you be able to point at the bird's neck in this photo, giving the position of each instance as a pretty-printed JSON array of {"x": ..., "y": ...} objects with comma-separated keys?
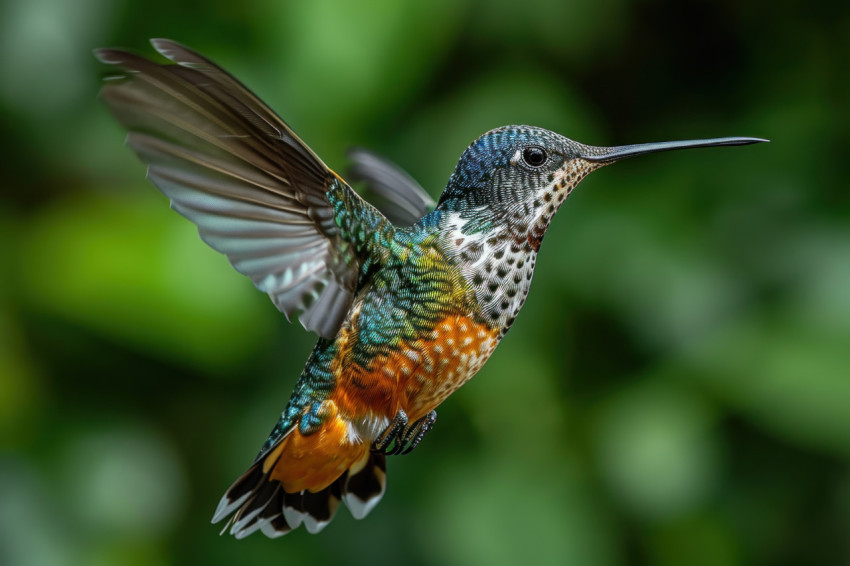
[{"x": 496, "y": 261}]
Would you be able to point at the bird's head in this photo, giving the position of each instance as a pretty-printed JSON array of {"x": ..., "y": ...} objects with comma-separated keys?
[{"x": 518, "y": 176}]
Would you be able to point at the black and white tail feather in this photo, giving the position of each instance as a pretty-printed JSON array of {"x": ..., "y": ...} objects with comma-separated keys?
[{"x": 256, "y": 502}]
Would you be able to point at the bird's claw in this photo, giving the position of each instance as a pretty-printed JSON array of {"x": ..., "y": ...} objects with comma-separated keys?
[
  {"x": 401, "y": 438},
  {"x": 395, "y": 429}
]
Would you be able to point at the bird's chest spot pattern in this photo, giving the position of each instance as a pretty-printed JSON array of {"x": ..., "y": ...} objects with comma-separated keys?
[
  {"x": 499, "y": 270},
  {"x": 415, "y": 375}
]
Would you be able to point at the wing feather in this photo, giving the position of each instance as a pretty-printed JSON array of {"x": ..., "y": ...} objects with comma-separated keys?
[
  {"x": 256, "y": 192},
  {"x": 404, "y": 200}
]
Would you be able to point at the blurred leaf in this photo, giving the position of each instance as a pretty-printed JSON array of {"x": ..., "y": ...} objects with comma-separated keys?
[
  {"x": 501, "y": 509},
  {"x": 818, "y": 260},
  {"x": 576, "y": 31},
  {"x": 657, "y": 450},
  {"x": 33, "y": 530},
  {"x": 344, "y": 62},
  {"x": 44, "y": 73},
  {"x": 789, "y": 379},
  {"x": 123, "y": 482},
  {"x": 670, "y": 292},
  {"x": 20, "y": 387},
  {"x": 131, "y": 270},
  {"x": 126, "y": 553},
  {"x": 696, "y": 540},
  {"x": 787, "y": 367}
]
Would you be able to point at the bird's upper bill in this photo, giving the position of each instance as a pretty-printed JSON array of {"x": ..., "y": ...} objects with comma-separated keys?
[{"x": 606, "y": 155}]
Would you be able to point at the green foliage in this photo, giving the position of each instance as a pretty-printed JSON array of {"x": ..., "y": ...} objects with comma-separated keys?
[{"x": 676, "y": 390}]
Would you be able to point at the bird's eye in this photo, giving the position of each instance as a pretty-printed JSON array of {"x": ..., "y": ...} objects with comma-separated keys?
[{"x": 534, "y": 156}]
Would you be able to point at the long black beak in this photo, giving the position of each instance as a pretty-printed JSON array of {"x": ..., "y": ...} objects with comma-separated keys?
[{"x": 610, "y": 154}]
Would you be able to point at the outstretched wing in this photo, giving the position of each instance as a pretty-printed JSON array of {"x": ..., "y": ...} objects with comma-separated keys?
[
  {"x": 257, "y": 193},
  {"x": 405, "y": 201}
]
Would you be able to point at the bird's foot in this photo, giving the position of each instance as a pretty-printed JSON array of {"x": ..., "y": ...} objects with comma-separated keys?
[
  {"x": 401, "y": 438},
  {"x": 392, "y": 433},
  {"x": 414, "y": 434}
]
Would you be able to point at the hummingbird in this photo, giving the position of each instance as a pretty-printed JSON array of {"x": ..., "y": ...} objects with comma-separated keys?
[{"x": 407, "y": 305}]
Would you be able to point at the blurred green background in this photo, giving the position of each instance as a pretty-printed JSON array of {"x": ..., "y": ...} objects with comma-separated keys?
[{"x": 676, "y": 391}]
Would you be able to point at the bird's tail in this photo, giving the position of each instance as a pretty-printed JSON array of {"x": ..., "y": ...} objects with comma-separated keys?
[{"x": 299, "y": 481}]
